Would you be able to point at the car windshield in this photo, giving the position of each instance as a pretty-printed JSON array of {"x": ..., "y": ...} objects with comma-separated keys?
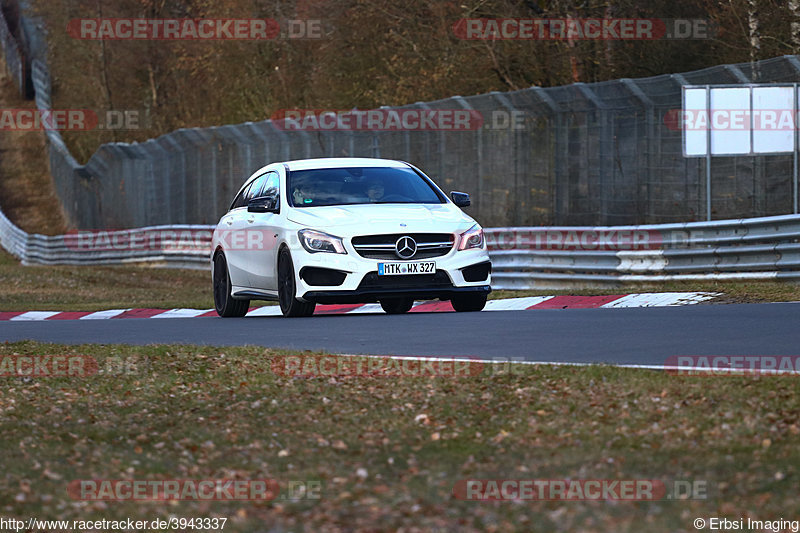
[{"x": 360, "y": 185}]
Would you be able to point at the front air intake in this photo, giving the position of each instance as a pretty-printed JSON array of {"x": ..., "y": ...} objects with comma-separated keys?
[
  {"x": 322, "y": 276},
  {"x": 477, "y": 272}
]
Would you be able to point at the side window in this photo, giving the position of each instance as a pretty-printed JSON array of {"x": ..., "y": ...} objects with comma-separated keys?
[
  {"x": 255, "y": 187},
  {"x": 251, "y": 191},
  {"x": 241, "y": 198},
  {"x": 265, "y": 185},
  {"x": 271, "y": 186}
]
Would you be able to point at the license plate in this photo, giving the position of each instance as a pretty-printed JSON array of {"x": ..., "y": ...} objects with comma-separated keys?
[{"x": 399, "y": 269}]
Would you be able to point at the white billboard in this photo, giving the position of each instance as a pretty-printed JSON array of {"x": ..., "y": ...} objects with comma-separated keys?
[
  {"x": 773, "y": 120},
  {"x": 694, "y": 118},
  {"x": 738, "y": 120}
]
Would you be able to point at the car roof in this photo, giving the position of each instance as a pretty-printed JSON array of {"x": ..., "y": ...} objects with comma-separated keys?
[{"x": 343, "y": 162}]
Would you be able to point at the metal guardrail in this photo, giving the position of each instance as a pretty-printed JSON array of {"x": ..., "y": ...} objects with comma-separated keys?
[
  {"x": 755, "y": 248},
  {"x": 523, "y": 258},
  {"x": 154, "y": 249}
]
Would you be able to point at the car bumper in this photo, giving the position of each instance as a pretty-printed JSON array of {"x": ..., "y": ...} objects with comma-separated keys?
[
  {"x": 357, "y": 279},
  {"x": 370, "y": 295}
]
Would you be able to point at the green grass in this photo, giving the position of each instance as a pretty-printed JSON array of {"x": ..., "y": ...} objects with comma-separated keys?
[{"x": 184, "y": 412}]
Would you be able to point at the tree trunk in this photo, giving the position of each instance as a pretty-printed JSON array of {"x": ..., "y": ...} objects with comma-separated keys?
[
  {"x": 753, "y": 23},
  {"x": 794, "y": 9}
]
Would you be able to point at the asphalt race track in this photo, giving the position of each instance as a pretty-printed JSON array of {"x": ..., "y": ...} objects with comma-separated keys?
[{"x": 644, "y": 336}]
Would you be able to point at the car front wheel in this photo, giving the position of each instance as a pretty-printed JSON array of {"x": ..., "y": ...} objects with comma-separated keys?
[
  {"x": 290, "y": 305},
  {"x": 224, "y": 303},
  {"x": 468, "y": 302}
]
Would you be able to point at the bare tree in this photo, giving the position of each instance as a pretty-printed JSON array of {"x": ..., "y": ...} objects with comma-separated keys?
[
  {"x": 794, "y": 9},
  {"x": 753, "y": 24}
]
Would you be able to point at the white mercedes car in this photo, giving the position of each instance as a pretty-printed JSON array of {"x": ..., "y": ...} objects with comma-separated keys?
[{"x": 347, "y": 230}]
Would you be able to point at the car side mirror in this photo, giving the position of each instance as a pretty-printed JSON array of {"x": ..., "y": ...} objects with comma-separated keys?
[
  {"x": 266, "y": 204},
  {"x": 461, "y": 199}
]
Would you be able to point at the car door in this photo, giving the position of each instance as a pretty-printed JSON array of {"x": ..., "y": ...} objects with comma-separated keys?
[
  {"x": 234, "y": 236},
  {"x": 263, "y": 229}
]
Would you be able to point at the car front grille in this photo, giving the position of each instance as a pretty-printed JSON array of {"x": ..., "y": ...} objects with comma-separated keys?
[{"x": 383, "y": 246}]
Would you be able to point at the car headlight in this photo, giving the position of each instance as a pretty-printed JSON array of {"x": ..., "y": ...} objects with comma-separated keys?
[
  {"x": 472, "y": 238},
  {"x": 316, "y": 241}
]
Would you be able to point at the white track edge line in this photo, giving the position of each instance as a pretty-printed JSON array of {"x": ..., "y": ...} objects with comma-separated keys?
[{"x": 671, "y": 368}]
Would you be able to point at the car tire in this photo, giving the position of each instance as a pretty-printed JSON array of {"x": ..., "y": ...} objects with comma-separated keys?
[
  {"x": 225, "y": 305},
  {"x": 287, "y": 290},
  {"x": 397, "y": 306},
  {"x": 468, "y": 302}
]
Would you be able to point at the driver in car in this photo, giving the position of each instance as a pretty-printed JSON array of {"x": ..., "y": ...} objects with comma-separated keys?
[
  {"x": 303, "y": 194},
  {"x": 375, "y": 191}
]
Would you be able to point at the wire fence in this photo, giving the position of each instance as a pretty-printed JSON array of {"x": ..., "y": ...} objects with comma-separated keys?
[{"x": 584, "y": 154}]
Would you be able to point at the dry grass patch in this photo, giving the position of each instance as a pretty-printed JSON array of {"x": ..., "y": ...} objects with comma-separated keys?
[{"x": 388, "y": 451}]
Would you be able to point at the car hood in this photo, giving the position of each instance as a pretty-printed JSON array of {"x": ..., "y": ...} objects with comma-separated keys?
[{"x": 383, "y": 218}]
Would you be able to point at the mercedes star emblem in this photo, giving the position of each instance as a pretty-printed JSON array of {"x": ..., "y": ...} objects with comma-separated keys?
[{"x": 405, "y": 247}]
